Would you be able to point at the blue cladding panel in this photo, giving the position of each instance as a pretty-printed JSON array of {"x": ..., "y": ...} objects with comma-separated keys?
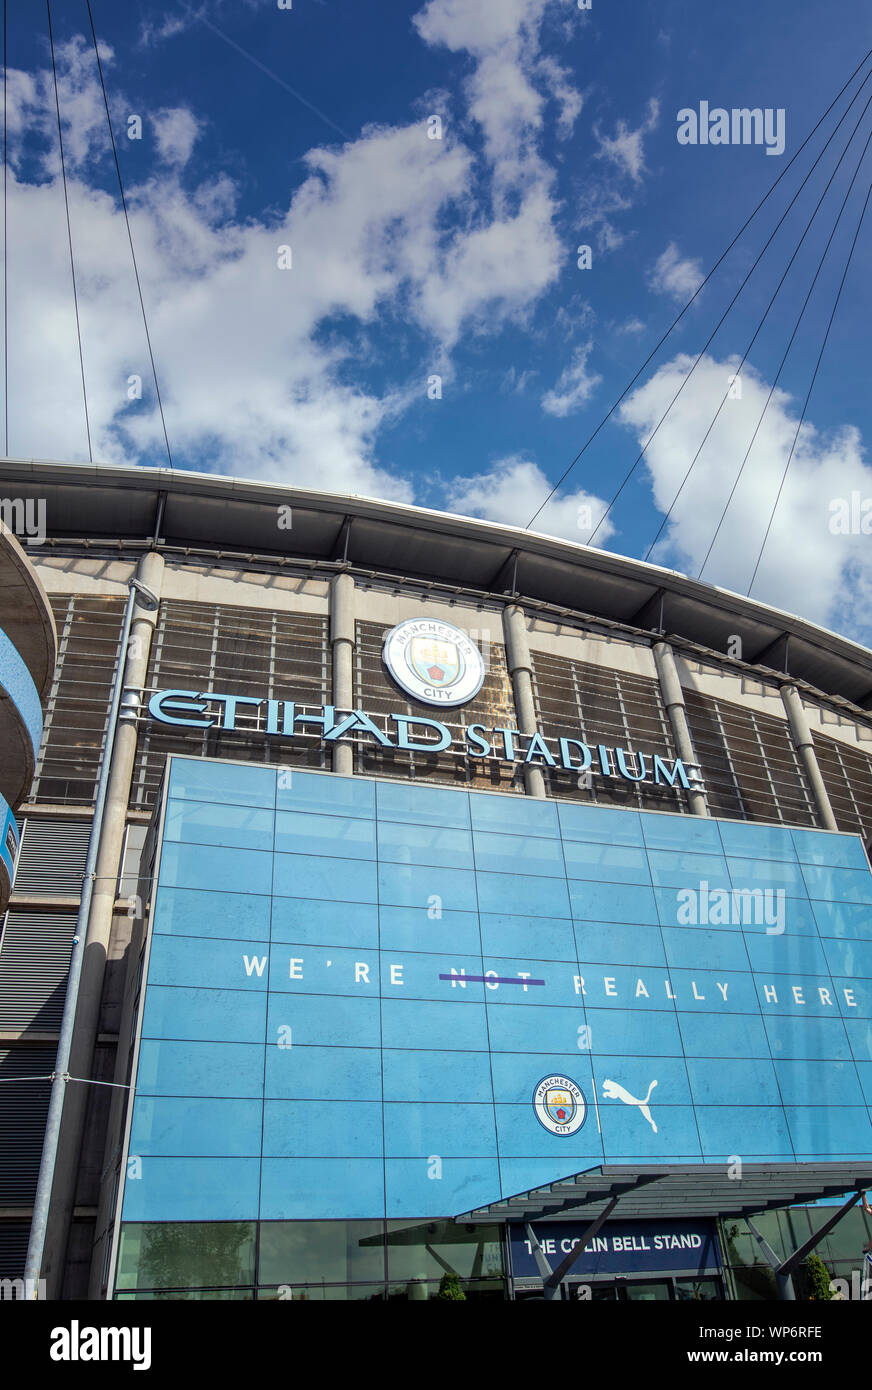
[
  {"x": 205, "y": 823},
  {"x": 208, "y": 1128},
  {"x": 205, "y": 1015},
  {"x": 193, "y": 1189},
  {"x": 342, "y": 837},
  {"x": 229, "y": 783},
  {"x": 199, "y": 912},
  {"x": 10, "y": 838},
  {"x": 367, "y": 1042},
  {"x": 17, "y": 685}
]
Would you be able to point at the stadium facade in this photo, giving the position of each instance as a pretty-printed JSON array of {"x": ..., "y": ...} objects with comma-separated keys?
[
  {"x": 28, "y": 651},
  {"x": 467, "y": 902}
]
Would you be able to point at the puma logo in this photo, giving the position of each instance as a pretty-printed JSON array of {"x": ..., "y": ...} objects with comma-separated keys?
[{"x": 613, "y": 1091}]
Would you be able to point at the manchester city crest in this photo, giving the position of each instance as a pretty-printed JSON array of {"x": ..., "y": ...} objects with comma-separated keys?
[
  {"x": 434, "y": 662},
  {"x": 437, "y": 663},
  {"x": 560, "y": 1105}
]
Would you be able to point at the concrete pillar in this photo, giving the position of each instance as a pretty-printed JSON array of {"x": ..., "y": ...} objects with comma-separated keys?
[
  {"x": 342, "y": 645},
  {"x": 520, "y": 667},
  {"x": 673, "y": 698},
  {"x": 150, "y": 572},
  {"x": 804, "y": 745}
]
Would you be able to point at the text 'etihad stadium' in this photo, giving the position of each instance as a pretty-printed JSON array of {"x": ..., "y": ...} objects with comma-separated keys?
[{"x": 414, "y": 734}]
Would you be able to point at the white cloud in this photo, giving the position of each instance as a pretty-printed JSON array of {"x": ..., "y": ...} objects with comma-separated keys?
[
  {"x": 569, "y": 99},
  {"x": 390, "y": 223},
  {"x": 676, "y": 275},
  {"x": 574, "y": 387},
  {"x": 32, "y": 112},
  {"x": 504, "y": 93},
  {"x": 515, "y": 382},
  {"x": 625, "y": 149},
  {"x": 500, "y": 267},
  {"x": 602, "y": 198},
  {"x": 805, "y": 569},
  {"x": 597, "y": 206},
  {"x": 515, "y": 488},
  {"x": 176, "y": 131},
  {"x": 154, "y": 32},
  {"x": 477, "y": 28}
]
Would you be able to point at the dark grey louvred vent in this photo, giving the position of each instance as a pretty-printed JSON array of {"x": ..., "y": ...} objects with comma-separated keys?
[
  {"x": 13, "y": 1248},
  {"x": 51, "y": 860},
  {"x": 23, "y": 1108},
  {"x": 34, "y": 961}
]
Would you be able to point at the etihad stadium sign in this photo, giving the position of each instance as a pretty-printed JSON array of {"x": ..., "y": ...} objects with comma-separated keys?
[{"x": 413, "y": 733}]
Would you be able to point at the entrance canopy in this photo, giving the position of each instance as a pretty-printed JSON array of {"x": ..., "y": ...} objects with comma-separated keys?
[{"x": 692, "y": 1190}]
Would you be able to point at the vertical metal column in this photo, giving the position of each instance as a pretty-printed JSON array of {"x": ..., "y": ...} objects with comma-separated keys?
[
  {"x": 804, "y": 745},
  {"x": 520, "y": 667},
  {"x": 59, "y": 1169},
  {"x": 342, "y": 644},
  {"x": 673, "y": 698}
]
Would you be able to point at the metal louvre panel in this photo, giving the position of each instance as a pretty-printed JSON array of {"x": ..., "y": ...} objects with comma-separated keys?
[
  {"x": 34, "y": 962},
  {"x": 77, "y": 709},
  {"x": 493, "y": 707},
  {"x": 13, "y": 1248},
  {"x": 51, "y": 861},
  {"x": 616, "y": 708},
  {"x": 241, "y": 651},
  {"x": 847, "y": 775},
  {"x": 23, "y": 1110},
  {"x": 722, "y": 792},
  {"x": 748, "y": 762}
]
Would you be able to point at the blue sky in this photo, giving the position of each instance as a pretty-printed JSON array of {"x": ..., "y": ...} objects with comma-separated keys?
[{"x": 414, "y": 258}]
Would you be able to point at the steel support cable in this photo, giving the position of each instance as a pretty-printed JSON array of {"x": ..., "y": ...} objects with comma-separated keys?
[
  {"x": 130, "y": 235},
  {"x": 715, "y": 330},
  {"x": 786, "y": 351},
  {"x": 675, "y": 322},
  {"x": 810, "y": 388},
  {"x": 7, "y": 1080},
  {"x": 756, "y": 333},
  {"x": 69, "y": 229}
]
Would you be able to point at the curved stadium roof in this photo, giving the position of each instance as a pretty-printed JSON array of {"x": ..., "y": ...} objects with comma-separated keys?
[{"x": 212, "y": 516}]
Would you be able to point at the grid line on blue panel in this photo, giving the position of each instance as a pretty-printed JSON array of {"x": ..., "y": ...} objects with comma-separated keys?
[
  {"x": 266, "y": 1021},
  {"x": 490, "y": 1055},
  {"x": 381, "y": 1032},
  {"x": 675, "y": 1009},
  {"x": 581, "y": 998},
  {"x": 753, "y": 978},
  {"x": 521, "y": 1051},
  {"x": 827, "y": 973}
]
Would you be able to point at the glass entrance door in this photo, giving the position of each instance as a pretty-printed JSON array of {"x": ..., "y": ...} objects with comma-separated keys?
[
  {"x": 665, "y": 1290},
  {"x": 647, "y": 1291}
]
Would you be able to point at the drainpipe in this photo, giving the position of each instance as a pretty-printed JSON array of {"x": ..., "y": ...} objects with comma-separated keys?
[
  {"x": 342, "y": 644},
  {"x": 59, "y": 1166},
  {"x": 520, "y": 667},
  {"x": 673, "y": 698},
  {"x": 804, "y": 745}
]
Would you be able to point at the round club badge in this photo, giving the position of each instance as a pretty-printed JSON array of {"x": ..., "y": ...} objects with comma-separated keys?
[
  {"x": 434, "y": 662},
  {"x": 559, "y": 1105}
]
